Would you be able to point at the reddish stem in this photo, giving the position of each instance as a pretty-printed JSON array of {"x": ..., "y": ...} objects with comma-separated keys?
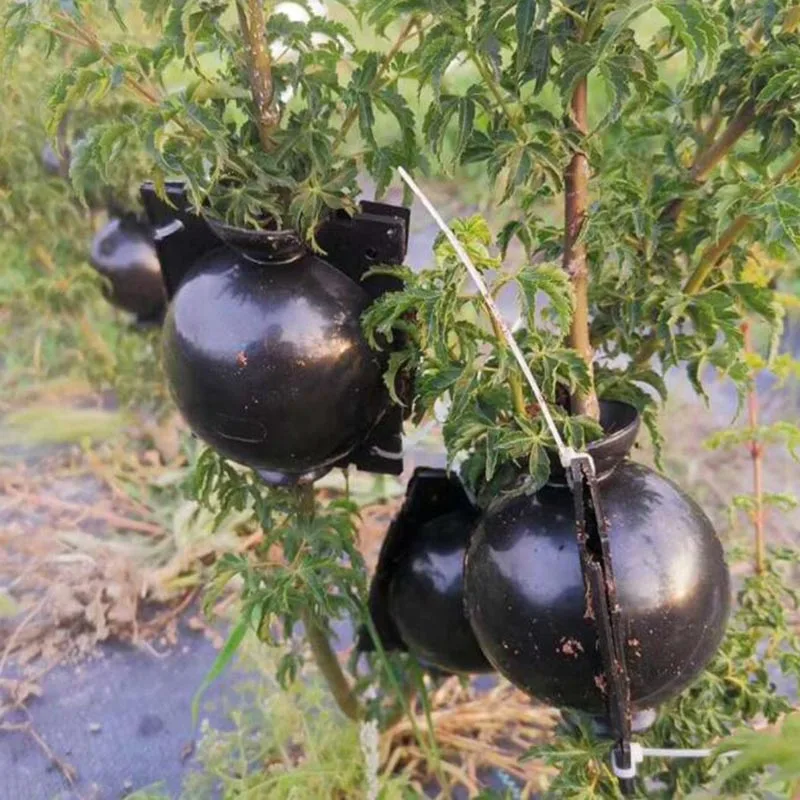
[{"x": 757, "y": 455}]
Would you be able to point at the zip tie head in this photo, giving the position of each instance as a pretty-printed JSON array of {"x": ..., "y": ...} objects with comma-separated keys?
[
  {"x": 628, "y": 773},
  {"x": 638, "y": 753}
]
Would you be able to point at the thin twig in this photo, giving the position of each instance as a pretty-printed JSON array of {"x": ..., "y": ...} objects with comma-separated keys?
[
  {"x": 707, "y": 159},
  {"x": 12, "y": 640},
  {"x": 116, "y": 520},
  {"x": 89, "y": 39},
  {"x": 712, "y": 256},
  {"x": 159, "y": 622},
  {"x": 69, "y": 773}
]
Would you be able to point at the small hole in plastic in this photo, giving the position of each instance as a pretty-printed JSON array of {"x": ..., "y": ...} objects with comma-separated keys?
[{"x": 371, "y": 253}]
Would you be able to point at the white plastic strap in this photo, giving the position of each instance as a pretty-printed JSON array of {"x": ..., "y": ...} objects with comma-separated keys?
[
  {"x": 638, "y": 754},
  {"x": 369, "y": 739},
  {"x": 566, "y": 454}
]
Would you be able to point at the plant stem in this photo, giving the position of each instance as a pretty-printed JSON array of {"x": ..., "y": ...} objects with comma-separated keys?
[
  {"x": 331, "y": 670},
  {"x": 491, "y": 85},
  {"x": 324, "y": 655},
  {"x": 714, "y": 253},
  {"x": 85, "y": 37},
  {"x": 576, "y": 201},
  {"x": 254, "y": 31},
  {"x": 757, "y": 454},
  {"x": 708, "y": 159},
  {"x": 517, "y": 395}
]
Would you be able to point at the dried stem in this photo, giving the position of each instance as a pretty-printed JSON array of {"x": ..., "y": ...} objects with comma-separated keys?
[
  {"x": 576, "y": 201},
  {"x": 757, "y": 455},
  {"x": 324, "y": 655}
]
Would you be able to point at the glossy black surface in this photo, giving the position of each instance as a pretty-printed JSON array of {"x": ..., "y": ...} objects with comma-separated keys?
[
  {"x": 525, "y": 593},
  {"x": 426, "y": 595},
  {"x": 416, "y": 598},
  {"x": 378, "y": 234},
  {"x": 267, "y": 362},
  {"x": 123, "y": 252}
]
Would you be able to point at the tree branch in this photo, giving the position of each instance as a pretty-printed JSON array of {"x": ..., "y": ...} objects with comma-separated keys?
[
  {"x": 87, "y": 39},
  {"x": 576, "y": 202},
  {"x": 254, "y": 31},
  {"x": 352, "y": 115},
  {"x": 707, "y": 159}
]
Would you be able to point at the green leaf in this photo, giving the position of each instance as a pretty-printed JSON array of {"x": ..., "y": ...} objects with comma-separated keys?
[
  {"x": 700, "y": 28},
  {"x": 466, "y": 121},
  {"x": 235, "y": 638},
  {"x": 554, "y": 283},
  {"x": 618, "y": 22},
  {"x": 536, "y": 67},
  {"x": 524, "y": 19}
]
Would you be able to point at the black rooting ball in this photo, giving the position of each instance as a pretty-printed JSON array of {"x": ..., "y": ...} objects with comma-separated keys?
[
  {"x": 266, "y": 359},
  {"x": 525, "y": 593},
  {"x": 417, "y": 595},
  {"x": 123, "y": 252}
]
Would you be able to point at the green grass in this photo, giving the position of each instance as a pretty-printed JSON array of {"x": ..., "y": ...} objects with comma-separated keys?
[{"x": 281, "y": 745}]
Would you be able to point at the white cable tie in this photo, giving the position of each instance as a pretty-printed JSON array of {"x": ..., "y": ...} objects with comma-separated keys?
[
  {"x": 563, "y": 451},
  {"x": 639, "y": 753}
]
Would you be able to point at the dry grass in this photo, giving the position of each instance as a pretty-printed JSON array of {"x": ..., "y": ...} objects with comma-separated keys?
[{"x": 476, "y": 733}]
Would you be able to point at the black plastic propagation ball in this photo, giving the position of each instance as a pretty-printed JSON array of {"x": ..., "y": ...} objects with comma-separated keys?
[
  {"x": 417, "y": 595},
  {"x": 123, "y": 252},
  {"x": 266, "y": 359},
  {"x": 525, "y": 593}
]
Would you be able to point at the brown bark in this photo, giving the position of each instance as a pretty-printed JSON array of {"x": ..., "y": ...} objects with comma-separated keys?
[
  {"x": 707, "y": 159},
  {"x": 254, "y": 30},
  {"x": 576, "y": 202}
]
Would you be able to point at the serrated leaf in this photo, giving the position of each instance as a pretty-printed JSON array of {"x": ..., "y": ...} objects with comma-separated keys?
[
  {"x": 700, "y": 28},
  {"x": 524, "y": 19},
  {"x": 554, "y": 283}
]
